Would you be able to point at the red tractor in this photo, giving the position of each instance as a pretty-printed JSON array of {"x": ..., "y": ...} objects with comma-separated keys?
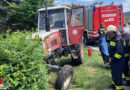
[{"x": 61, "y": 30}]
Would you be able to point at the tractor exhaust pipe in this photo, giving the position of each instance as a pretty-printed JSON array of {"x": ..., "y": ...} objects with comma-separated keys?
[{"x": 47, "y": 19}]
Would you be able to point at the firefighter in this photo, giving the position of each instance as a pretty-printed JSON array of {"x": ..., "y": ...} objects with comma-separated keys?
[
  {"x": 102, "y": 31},
  {"x": 126, "y": 28},
  {"x": 116, "y": 58},
  {"x": 103, "y": 44},
  {"x": 126, "y": 44}
]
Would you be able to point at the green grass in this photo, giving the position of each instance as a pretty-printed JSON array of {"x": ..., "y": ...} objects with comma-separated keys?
[{"x": 89, "y": 76}]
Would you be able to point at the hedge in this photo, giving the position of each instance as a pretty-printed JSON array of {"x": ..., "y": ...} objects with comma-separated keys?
[{"x": 22, "y": 63}]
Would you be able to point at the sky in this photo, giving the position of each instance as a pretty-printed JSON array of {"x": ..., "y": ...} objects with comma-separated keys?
[{"x": 125, "y": 3}]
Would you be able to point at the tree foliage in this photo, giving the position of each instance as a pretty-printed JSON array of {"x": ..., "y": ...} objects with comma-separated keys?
[
  {"x": 127, "y": 20},
  {"x": 70, "y": 5},
  {"x": 5, "y": 14},
  {"x": 21, "y": 15}
]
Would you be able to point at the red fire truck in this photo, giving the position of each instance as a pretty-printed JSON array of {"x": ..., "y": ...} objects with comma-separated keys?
[{"x": 97, "y": 14}]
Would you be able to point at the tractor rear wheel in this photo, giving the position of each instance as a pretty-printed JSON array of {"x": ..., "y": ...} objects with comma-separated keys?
[
  {"x": 77, "y": 54},
  {"x": 64, "y": 78}
]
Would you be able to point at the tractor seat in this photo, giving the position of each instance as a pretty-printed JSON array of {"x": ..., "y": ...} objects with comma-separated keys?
[{"x": 58, "y": 24}]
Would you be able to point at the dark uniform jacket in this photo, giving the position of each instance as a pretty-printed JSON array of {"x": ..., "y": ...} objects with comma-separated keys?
[{"x": 116, "y": 49}]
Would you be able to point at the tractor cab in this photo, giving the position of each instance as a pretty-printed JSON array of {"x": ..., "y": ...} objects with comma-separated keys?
[
  {"x": 60, "y": 26},
  {"x": 57, "y": 18}
]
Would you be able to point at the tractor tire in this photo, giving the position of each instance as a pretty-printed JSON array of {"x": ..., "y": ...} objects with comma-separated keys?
[
  {"x": 78, "y": 56},
  {"x": 64, "y": 78}
]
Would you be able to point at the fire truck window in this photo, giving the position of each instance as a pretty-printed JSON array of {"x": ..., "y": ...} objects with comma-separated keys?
[{"x": 77, "y": 17}]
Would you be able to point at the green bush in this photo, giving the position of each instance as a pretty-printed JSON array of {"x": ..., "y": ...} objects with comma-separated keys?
[{"x": 22, "y": 63}]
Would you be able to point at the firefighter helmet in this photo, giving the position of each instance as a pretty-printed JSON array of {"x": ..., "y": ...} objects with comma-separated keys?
[{"x": 112, "y": 28}]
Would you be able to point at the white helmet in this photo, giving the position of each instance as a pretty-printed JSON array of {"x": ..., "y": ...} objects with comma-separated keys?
[{"x": 112, "y": 28}]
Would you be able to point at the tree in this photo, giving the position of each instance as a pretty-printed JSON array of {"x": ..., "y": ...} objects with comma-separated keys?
[
  {"x": 5, "y": 14},
  {"x": 70, "y": 5},
  {"x": 22, "y": 15},
  {"x": 67, "y": 5},
  {"x": 75, "y": 5}
]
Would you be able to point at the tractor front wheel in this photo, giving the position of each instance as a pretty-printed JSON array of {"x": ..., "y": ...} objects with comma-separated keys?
[{"x": 64, "y": 78}]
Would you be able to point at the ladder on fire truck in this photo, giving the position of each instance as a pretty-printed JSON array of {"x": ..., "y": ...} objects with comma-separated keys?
[
  {"x": 94, "y": 4},
  {"x": 119, "y": 16}
]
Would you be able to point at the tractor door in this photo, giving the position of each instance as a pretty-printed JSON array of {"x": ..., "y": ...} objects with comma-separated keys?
[{"x": 77, "y": 24}]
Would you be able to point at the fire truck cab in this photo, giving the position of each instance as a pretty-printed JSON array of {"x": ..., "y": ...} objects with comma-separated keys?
[{"x": 97, "y": 14}]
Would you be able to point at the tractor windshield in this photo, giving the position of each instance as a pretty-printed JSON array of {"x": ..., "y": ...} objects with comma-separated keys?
[{"x": 56, "y": 19}]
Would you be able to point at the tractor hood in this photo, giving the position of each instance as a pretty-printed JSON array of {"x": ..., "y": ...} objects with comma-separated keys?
[{"x": 43, "y": 34}]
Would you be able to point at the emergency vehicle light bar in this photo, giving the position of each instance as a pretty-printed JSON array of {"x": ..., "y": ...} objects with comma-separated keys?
[{"x": 95, "y": 4}]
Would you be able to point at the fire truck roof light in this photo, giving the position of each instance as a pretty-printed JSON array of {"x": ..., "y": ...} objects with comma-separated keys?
[
  {"x": 94, "y": 9},
  {"x": 121, "y": 7}
]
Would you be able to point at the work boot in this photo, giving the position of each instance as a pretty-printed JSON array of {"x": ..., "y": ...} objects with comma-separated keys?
[
  {"x": 127, "y": 83},
  {"x": 123, "y": 79},
  {"x": 112, "y": 86},
  {"x": 122, "y": 89}
]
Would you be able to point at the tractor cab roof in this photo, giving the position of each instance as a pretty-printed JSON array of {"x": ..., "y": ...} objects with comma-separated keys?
[{"x": 54, "y": 8}]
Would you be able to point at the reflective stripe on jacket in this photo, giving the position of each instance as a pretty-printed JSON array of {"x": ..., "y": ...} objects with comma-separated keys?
[{"x": 101, "y": 32}]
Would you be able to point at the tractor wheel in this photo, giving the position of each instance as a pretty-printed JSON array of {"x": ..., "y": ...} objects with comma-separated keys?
[
  {"x": 64, "y": 78},
  {"x": 77, "y": 54}
]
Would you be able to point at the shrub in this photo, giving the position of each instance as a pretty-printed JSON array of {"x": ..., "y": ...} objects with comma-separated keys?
[{"x": 22, "y": 63}]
